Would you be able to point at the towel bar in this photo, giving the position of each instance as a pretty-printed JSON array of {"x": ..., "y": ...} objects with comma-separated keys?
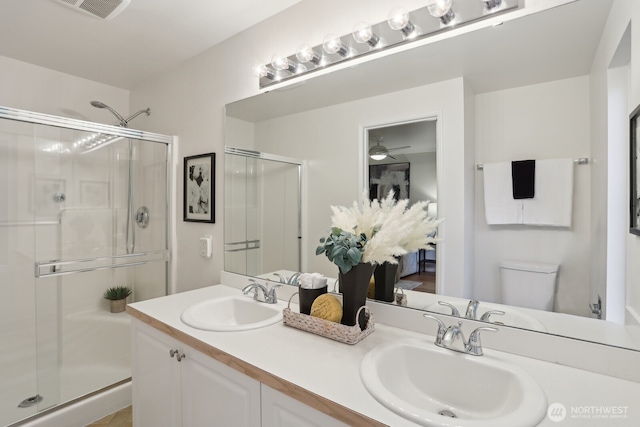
[{"x": 580, "y": 161}]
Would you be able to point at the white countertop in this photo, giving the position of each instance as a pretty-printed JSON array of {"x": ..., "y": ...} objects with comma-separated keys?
[{"x": 332, "y": 370}]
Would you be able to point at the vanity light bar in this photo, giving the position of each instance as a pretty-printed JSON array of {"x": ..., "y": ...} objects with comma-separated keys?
[{"x": 401, "y": 28}]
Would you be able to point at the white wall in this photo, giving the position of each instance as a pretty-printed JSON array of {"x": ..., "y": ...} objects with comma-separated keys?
[
  {"x": 543, "y": 121},
  {"x": 29, "y": 87}
]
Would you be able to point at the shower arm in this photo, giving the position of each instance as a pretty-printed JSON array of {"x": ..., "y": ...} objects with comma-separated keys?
[
  {"x": 128, "y": 119},
  {"x": 122, "y": 120}
]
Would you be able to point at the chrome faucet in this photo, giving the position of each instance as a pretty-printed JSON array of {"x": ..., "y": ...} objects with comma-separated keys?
[
  {"x": 452, "y": 337},
  {"x": 268, "y": 296},
  {"x": 472, "y": 309},
  {"x": 281, "y": 279},
  {"x": 293, "y": 280}
]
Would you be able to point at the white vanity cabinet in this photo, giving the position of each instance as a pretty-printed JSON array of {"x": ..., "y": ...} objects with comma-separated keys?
[
  {"x": 280, "y": 410},
  {"x": 176, "y": 385}
]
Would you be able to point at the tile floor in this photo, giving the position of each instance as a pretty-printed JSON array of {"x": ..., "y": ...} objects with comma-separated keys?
[{"x": 122, "y": 418}]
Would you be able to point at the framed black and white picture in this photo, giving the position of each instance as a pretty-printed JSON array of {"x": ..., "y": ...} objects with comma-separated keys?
[
  {"x": 199, "y": 188},
  {"x": 634, "y": 179},
  {"x": 385, "y": 178}
]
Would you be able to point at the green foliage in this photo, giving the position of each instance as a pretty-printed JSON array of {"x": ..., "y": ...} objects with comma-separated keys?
[
  {"x": 117, "y": 292},
  {"x": 342, "y": 248}
]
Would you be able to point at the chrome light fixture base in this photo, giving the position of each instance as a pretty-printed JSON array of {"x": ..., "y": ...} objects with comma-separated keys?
[{"x": 420, "y": 25}]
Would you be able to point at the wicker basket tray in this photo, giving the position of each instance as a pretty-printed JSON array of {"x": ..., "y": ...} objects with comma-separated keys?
[{"x": 335, "y": 331}]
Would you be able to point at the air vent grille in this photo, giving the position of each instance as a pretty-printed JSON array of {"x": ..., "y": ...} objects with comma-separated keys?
[
  {"x": 100, "y": 8},
  {"x": 103, "y": 9}
]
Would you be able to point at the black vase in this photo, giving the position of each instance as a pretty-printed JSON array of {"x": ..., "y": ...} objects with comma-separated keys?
[
  {"x": 354, "y": 286},
  {"x": 385, "y": 276}
]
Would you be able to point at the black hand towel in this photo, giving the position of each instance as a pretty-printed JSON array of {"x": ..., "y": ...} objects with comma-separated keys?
[{"x": 523, "y": 174}]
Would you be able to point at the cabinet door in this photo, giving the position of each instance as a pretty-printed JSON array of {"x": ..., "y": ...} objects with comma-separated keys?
[
  {"x": 214, "y": 394},
  {"x": 280, "y": 410},
  {"x": 156, "y": 379}
]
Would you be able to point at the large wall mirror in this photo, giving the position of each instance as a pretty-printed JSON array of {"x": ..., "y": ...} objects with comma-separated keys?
[{"x": 516, "y": 91}]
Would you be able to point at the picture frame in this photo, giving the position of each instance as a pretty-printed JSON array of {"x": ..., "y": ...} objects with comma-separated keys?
[
  {"x": 199, "y": 188},
  {"x": 386, "y": 177}
]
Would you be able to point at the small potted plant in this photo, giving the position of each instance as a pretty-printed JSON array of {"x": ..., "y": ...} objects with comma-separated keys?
[{"x": 117, "y": 297}]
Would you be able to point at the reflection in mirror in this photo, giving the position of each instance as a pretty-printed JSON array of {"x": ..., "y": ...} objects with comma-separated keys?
[
  {"x": 498, "y": 94},
  {"x": 402, "y": 158},
  {"x": 262, "y": 211}
]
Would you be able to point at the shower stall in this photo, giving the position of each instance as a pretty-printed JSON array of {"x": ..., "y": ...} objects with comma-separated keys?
[{"x": 84, "y": 207}]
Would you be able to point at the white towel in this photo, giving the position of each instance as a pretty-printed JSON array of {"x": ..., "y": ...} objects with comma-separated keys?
[
  {"x": 499, "y": 205},
  {"x": 553, "y": 201}
]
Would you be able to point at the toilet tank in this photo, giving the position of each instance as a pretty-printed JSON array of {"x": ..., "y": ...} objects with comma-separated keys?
[{"x": 530, "y": 285}]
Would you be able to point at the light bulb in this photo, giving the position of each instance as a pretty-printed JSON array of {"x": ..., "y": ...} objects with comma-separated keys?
[
  {"x": 263, "y": 71},
  {"x": 363, "y": 33},
  {"x": 398, "y": 19},
  {"x": 281, "y": 63},
  {"x": 441, "y": 9},
  {"x": 306, "y": 54},
  {"x": 492, "y": 4},
  {"x": 332, "y": 44},
  {"x": 378, "y": 156}
]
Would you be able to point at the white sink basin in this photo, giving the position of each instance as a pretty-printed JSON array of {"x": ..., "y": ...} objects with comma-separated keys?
[
  {"x": 232, "y": 313},
  {"x": 511, "y": 317},
  {"x": 419, "y": 381}
]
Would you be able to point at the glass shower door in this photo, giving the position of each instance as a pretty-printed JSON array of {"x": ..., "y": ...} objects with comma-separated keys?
[
  {"x": 93, "y": 195},
  {"x": 17, "y": 282},
  {"x": 76, "y": 218}
]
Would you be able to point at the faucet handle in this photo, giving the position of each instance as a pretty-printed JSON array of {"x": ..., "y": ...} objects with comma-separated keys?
[
  {"x": 485, "y": 316},
  {"x": 442, "y": 328},
  {"x": 272, "y": 298},
  {"x": 454, "y": 311},
  {"x": 474, "y": 346}
]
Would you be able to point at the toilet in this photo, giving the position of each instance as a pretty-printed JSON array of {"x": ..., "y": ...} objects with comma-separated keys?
[{"x": 528, "y": 285}]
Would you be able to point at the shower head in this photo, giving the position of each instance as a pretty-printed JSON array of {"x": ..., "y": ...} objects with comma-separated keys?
[
  {"x": 123, "y": 122},
  {"x": 99, "y": 104}
]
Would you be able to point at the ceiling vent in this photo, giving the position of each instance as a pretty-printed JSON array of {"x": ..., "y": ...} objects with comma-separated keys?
[{"x": 103, "y": 9}]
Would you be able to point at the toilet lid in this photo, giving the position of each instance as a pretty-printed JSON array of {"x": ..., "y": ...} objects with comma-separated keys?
[{"x": 528, "y": 266}]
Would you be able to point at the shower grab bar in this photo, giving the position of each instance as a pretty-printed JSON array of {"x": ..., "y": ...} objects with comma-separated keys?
[
  {"x": 63, "y": 267},
  {"x": 28, "y": 223},
  {"x": 247, "y": 246}
]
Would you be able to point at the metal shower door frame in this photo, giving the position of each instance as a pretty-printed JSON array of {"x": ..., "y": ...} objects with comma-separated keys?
[{"x": 52, "y": 268}]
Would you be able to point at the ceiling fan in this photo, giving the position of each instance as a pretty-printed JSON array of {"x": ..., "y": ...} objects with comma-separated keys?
[{"x": 380, "y": 152}]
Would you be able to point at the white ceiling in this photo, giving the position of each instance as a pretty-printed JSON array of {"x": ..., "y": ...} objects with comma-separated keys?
[{"x": 149, "y": 37}]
